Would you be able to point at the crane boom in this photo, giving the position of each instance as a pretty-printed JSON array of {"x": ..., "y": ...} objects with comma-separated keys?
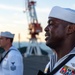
[{"x": 34, "y": 27}]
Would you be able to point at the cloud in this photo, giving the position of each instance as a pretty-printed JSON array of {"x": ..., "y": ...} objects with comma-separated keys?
[
  {"x": 14, "y": 8},
  {"x": 7, "y": 7},
  {"x": 43, "y": 10},
  {"x": 73, "y": 5}
]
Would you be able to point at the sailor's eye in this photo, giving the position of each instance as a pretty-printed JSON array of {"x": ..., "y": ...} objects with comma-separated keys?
[{"x": 50, "y": 22}]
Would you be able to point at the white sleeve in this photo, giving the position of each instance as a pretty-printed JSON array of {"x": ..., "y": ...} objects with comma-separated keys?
[{"x": 15, "y": 65}]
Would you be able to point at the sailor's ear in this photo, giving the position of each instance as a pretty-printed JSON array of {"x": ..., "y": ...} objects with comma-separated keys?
[{"x": 70, "y": 29}]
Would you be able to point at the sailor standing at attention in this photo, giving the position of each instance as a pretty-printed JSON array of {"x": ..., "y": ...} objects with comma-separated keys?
[
  {"x": 11, "y": 62},
  {"x": 60, "y": 37}
]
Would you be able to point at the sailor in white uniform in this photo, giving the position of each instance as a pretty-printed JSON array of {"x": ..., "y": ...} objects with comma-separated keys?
[
  {"x": 60, "y": 36},
  {"x": 12, "y": 61}
]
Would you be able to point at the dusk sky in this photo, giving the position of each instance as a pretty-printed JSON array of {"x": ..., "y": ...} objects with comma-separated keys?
[{"x": 13, "y": 19}]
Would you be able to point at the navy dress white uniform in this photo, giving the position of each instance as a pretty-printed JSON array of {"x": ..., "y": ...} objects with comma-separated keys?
[
  {"x": 12, "y": 64},
  {"x": 69, "y": 68}
]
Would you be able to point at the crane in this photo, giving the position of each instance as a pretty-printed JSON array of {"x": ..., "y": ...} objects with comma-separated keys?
[{"x": 34, "y": 28}]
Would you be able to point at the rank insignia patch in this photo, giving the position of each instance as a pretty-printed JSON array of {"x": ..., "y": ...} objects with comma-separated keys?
[
  {"x": 66, "y": 70},
  {"x": 13, "y": 67}
]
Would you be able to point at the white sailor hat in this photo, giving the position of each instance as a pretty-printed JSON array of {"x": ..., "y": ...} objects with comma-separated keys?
[
  {"x": 65, "y": 14},
  {"x": 7, "y": 34}
]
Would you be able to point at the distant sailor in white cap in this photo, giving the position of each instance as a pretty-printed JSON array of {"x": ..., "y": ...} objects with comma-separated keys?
[
  {"x": 60, "y": 37},
  {"x": 11, "y": 62}
]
